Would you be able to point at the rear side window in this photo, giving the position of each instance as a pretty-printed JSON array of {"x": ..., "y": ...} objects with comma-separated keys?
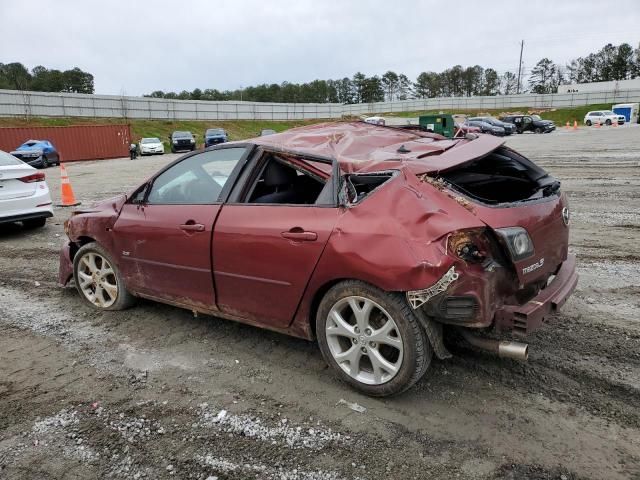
[{"x": 7, "y": 160}]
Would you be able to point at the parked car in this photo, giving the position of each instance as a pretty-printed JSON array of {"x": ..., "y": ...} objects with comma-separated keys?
[
  {"x": 24, "y": 194},
  {"x": 267, "y": 131},
  {"x": 530, "y": 123},
  {"x": 213, "y": 136},
  {"x": 486, "y": 127},
  {"x": 150, "y": 146},
  {"x": 181, "y": 141},
  {"x": 375, "y": 120},
  {"x": 603, "y": 117},
  {"x": 321, "y": 233},
  {"x": 462, "y": 129},
  {"x": 37, "y": 153},
  {"x": 509, "y": 128}
]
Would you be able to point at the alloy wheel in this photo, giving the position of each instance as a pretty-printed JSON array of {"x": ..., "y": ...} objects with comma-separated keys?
[
  {"x": 97, "y": 280},
  {"x": 364, "y": 340}
]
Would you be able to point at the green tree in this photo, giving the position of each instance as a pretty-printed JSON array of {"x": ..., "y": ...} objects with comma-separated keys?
[
  {"x": 390, "y": 85},
  {"x": 508, "y": 83}
]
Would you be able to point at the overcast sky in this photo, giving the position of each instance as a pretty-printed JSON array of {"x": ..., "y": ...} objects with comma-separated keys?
[{"x": 172, "y": 45}]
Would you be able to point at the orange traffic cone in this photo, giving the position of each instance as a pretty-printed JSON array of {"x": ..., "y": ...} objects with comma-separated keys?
[
  {"x": 68, "y": 199},
  {"x": 575, "y": 125}
]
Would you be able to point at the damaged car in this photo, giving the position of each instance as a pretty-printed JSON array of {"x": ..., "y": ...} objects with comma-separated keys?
[
  {"x": 37, "y": 153},
  {"x": 374, "y": 241}
]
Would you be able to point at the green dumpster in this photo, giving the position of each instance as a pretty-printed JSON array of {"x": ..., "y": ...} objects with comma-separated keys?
[{"x": 442, "y": 124}]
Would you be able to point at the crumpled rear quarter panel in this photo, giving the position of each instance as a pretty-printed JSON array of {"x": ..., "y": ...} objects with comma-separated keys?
[{"x": 394, "y": 239}]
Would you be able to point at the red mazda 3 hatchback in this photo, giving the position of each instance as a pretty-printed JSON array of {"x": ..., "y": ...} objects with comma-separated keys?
[{"x": 366, "y": 238}]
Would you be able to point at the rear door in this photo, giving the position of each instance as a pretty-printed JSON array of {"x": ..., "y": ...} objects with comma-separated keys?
[
  {"x": 267, "y": 243},
  {"x": 163, "y": 237}
]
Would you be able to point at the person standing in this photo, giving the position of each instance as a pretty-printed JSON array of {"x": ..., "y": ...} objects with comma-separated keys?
[{"x": 133, "y": 151}]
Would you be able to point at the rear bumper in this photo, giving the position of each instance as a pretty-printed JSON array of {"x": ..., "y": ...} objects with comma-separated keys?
[
  {"x": 526, "y": 318},
  {"x": 65, "y": 269},
  {"x": 27, "y": 216}
]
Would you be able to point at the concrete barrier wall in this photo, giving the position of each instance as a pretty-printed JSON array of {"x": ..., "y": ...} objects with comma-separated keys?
[{"x": 40, "y": 104}]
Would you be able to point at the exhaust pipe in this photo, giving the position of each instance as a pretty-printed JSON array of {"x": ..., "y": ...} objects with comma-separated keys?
[{"x": 504, "y": 349}]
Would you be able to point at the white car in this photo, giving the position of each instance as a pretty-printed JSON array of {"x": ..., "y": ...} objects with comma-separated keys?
[
  {"x": 375, "y": 120},
  {"x": 24, "y": 194},
  {"x": 603, "y": 117},
  {"x": 150, "y": 146}
]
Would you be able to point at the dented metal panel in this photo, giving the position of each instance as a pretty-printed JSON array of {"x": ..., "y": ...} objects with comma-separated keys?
[{"x": 79, "y": 142}]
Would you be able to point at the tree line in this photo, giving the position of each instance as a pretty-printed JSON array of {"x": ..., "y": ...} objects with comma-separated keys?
[
  {"x": 15, "y": 76},
  {"x": 611, "y": 62}
]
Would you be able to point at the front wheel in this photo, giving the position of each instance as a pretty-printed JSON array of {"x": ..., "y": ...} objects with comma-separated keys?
[
  {"x": 372, "y": 338},
  {"x": 588, "y": 123},
  {"x": 45, "y": 162},
  {"x": 538, "y": 130},
  {"x": 98, "y": 279}
]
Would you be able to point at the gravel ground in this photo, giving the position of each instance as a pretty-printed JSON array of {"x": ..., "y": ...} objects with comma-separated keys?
[{"x": 153, "y": 392}]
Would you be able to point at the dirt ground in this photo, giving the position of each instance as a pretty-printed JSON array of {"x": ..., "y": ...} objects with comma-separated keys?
[{"x": 153, "y": 392}]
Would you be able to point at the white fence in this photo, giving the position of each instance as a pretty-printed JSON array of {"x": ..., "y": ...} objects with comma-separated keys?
[{"x": 15, "y": 103}]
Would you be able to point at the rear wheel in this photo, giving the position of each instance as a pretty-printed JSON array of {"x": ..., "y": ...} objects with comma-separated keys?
[
  {"x": 98, "y": 279},
  {"x": 372, "y": 339},
  {"x": 34, "y": 222}
]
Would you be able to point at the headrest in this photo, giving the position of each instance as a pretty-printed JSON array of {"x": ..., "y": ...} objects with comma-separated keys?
[{"x": 277, "y": 174}]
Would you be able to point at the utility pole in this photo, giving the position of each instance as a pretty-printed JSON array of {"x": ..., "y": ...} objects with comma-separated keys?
[{"x": 520, "y": 66}]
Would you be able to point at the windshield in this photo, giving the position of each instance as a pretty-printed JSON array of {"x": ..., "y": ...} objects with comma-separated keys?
[
  {"x": 215, "y": 131},
  {"x": 182, "y": 135},
  {"x": 150, "y": 140},
  {"x": 6, "y": 160}
]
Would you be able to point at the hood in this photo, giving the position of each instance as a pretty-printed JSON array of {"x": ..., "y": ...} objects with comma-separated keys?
[
  {"x": 27, "y": 151},
  {"x": 110, "y": 204}
]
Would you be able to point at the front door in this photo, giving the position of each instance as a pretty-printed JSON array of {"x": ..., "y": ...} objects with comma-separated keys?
[{"x": 164, "y": 239}]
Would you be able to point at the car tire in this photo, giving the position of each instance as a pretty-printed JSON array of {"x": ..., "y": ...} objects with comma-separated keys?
[
  {"x": 399, "y": 350},
  {"x": 94, "y": 267},
  {"x": 588, "y": 123},
  {"x": 538, "y": 130},
  {"x": 608, "y": 122},
  {"x": 34, "y": 222},
  {"x": 45, "y": 162}
]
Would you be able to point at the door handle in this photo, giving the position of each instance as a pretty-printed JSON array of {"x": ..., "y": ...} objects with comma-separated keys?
[
  {"x": 299, "y": 235},
  {"x": 192, "y": 227}
]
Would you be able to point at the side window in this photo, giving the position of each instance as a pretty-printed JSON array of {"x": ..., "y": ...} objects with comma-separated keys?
[
  {"x": 281, "y": 182},
  {"x": 197, "y": 180}
]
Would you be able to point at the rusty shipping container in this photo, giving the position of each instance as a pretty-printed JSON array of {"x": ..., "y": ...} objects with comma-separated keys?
[{"x": 78, "y": 142}]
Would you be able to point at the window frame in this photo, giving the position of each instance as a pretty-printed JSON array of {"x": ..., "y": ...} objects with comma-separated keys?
[
  {"x": 256, "y": 165},
  {"x": 226, "y": 189}
]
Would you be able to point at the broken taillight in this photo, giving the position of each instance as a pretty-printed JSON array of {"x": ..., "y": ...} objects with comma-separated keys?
[
  {"x": 469, "y": 245},
  {"x": 35, "y": 177}
]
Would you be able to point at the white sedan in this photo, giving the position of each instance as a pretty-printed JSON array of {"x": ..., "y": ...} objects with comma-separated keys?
[
  {"x": 151, "y": 146},
  {"x": 24, "y": 194}
]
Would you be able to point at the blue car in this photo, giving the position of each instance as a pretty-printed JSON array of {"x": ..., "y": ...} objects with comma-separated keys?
[
  {"x": 213, "y": 136},
  {"x": 37, "y": 153}
]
